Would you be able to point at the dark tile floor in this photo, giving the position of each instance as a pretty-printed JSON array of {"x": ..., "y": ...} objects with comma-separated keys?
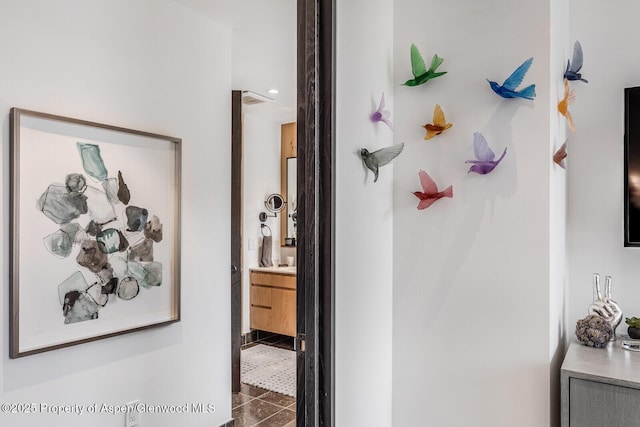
[
  {"x": 254, "y": 406},
  {"x": 275, "y": 340}
]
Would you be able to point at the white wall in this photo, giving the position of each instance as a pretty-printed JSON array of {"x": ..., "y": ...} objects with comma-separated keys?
[
  {"x": 471, "y": 293},
  {"x": 560, "y": 49},
  {"x": 264, "y": 55},
  {"x": 261, "y": 177},
  {"x": 595, "y": 163},
  {"x": 156, "y": 66},
  {"x": 364, "y": 216}
]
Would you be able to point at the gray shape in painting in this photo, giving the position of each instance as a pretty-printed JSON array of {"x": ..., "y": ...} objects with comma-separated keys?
[
  {"x": 110, "y": 287},
  {"x": 96, "y": 294},
  {"x": 123, "y": 191},
  {"x": 105, "y": 274},
  {"x": 93, "y": 228},
  {"x": 108, "y": 281},
  {"x": 61, "y": 206},
  {"x": 71, "y": 229},
  {"x": 148, "y": 274},
  {"x": 143, "y": 251},
  {"x": 128, "y": 288},
  {"x": 111, "y": 240},
  {"x": 78, "y": 307},
  {"x": 92, "y": 161},
  {"x": 75, "y": 282},
  {"x": 110, "y": 187},
  {"x": 100, "y": 209},
  {"x": 60, "y": 243},
  {"x": 119, "y": 265},
  {"x": 153, "y": 229},
  {"x": 136, "y": 218},
  {"x": 91, "y": 257},
  {"x": 75, "y": 183}
]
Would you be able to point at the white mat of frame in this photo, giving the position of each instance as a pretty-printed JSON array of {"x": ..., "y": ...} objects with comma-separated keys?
[{"x": 271, "y": 368}]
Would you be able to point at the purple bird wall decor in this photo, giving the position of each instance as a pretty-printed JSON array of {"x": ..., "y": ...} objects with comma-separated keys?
[
  {"x": 430, "y": 193},
  {"x": 485, "y": 157},
  {"x": 508, "y": 88},
  {"x": 560, "y": 155},
  {"x": 575, "y": 65},
  {"x": 381, "y": 115}
]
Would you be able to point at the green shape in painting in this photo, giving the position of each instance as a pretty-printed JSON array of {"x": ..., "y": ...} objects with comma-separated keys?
[
  {"x": 92, "y": 161},
  {"x": 111, "y": 240},
  {"x": 148, "y": 274}
]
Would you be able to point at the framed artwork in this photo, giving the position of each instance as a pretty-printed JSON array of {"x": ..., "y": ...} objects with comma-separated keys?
[
  {"x": 95, "y": 231},
  {"x": 632, "y": 166}
]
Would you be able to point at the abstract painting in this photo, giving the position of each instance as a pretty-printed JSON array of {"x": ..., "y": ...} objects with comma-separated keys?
[{"x": 95, "y": 231}]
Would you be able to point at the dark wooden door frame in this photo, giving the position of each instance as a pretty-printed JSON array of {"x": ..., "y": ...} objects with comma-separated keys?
[
  {"x": 316, "y": 212},
  {"x": 236, "y": 237}
]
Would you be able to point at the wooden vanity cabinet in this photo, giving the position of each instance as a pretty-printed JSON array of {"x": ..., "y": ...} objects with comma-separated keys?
[{"x": 273, "y": 302}]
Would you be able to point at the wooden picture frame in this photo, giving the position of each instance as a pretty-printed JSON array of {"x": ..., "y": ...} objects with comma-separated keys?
[{"x": 95, "y": 231}]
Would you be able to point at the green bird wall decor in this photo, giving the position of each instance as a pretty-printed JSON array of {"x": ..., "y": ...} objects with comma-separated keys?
[{"x": 420, "y": 73}]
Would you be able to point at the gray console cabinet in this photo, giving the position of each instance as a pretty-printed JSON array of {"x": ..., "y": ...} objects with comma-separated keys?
[{"x": 600, "y": 387}]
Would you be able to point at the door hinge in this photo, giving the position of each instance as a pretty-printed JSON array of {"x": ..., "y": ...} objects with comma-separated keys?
[{"x": 299, "y": 342}]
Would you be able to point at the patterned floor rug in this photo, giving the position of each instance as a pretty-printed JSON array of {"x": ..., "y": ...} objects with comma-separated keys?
[{"x": 271, "y": 368}]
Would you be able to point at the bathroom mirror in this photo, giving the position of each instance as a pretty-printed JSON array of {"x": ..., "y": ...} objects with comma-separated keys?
[
  {"x": 288, "y": 178},
  {"x": 274, "y": 203},
  {"x": 292, "y": 206}
]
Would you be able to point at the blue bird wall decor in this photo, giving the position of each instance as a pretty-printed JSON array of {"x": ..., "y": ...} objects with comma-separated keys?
[
  {"x": 574, "y": 66},
  {"x": 508, "y": 88}
]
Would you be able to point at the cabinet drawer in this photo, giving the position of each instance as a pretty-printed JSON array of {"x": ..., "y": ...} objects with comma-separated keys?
[
  {"x": 276, "y": 280},
  {"x": 595, "y": 404},
  {"x": 260, "y": 318},
  {"x": 284, "y": 312},
  {"x": 261, "y": 296}
]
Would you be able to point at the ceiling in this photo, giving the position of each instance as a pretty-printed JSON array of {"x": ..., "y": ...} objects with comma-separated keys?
[{"x": 263, "y": 50}]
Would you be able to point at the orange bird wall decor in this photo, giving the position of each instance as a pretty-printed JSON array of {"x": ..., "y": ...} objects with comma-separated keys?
[
  {"x": 439, "y": 123},
  {"x": 563, "y": 105}
]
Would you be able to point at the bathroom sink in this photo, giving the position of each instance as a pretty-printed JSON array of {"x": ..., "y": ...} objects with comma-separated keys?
[{"x": 288, "y": 269}]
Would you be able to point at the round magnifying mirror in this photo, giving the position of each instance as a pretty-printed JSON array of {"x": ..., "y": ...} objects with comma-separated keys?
[{"x": 274, "y": 203}]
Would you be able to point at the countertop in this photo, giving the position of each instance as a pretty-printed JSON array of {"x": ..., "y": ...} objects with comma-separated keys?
[
  {"x": 277, "y": 270},
  {"x": 613, "y": 364}
]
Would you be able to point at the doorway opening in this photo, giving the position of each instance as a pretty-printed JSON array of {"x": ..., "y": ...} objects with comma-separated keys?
[
  {"x": 264, "y": 308},
  {"x": 314, "y": 278}
]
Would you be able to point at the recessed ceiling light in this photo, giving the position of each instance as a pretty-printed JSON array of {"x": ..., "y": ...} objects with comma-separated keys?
[{"x": 273, "y": 91}]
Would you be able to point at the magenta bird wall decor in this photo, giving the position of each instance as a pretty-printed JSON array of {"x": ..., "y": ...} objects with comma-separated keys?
[
  {"x": 508, "y": 88},
  {"x": 439, "y": 124},
  {"x": 430, "y": 194},
  {"x": 485, "y": 157},
  {"x": 560, "y": 155},
  {"x": 381, "y": 115}
]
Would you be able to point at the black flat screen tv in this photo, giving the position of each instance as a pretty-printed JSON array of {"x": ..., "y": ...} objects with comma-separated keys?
[{"x": 632, "y": 166}]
